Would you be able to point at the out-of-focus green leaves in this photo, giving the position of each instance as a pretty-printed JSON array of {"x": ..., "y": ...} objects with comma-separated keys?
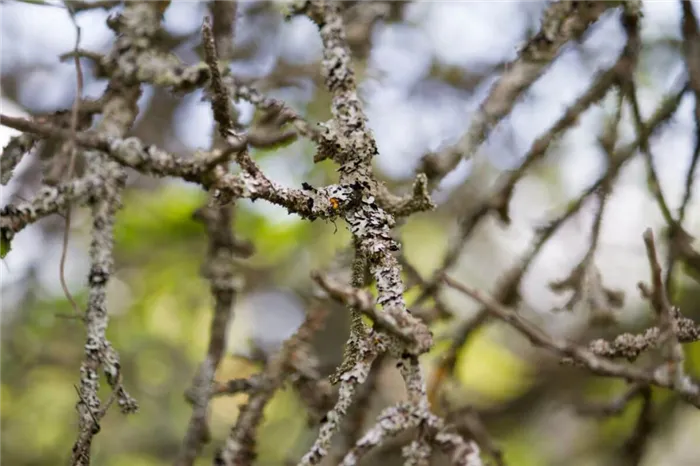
[
  {"x": 153, "y": 369},
  {"x": 494, "y": 372},
  {"x": 692, "y": 357},
  {"x": 172, "y": 305},
  {"x": 271, "y": 240},
  {"x": 134, "y": 459},
  {"x": 151, "y": 220},
  {"x": 6, "y": 398},
  {"x": 613, "y": 429},
  {"x": 285, "y": 419},
  {"x": 161, "y": 224},
  {"x": 603, "y": 388},
  {"x": 690, "y": 272},
  {"x": 424, "y": 242},
  {"x": 443, "y": 332},
  {"x": 520, "y": 449},
  {"x": 47, "y": 394}
]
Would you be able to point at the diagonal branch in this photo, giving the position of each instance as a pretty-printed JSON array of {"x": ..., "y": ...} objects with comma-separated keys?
[
  {"x": 563, "y": 21},
  {"x": 688, "y": 390}
]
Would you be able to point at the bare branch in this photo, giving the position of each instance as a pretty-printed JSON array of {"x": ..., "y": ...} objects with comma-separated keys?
[
  {"x": 688, "y": 390},
  {"x": 562, "y": 21},
  {"x": 12, "y": 155},
  {"x": 630, "y": 346},
  {"x": 240, "y": 444}
]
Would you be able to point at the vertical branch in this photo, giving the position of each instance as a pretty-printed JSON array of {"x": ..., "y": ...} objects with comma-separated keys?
[
  {"x": 96, "y": 319},
  {"x": 220, "y": 272},
  {"x": 666, "y": 314},
  {"x": 135, "y": 26},
  {"x": 357, "y": 415},
  {"x": 628, "y": 87},
  {"x": 219, "y": 268},
  {"x": 635, "y": 446},
  {"x": 223, "y": 16},
  {"x": 349, "y": 142},
  {"x": 349, "y": 382},
  {"x": 352, "y": 144},
  {"x": 358, "y": 329}
]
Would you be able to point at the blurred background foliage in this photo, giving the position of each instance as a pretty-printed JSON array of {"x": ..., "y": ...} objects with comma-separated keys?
[{"x": 160, "y": 306}]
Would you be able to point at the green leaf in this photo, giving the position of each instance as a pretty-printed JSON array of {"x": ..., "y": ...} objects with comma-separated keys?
[
  {"x": 5, "y": 247},
  {"x": 42, "y": 2}
]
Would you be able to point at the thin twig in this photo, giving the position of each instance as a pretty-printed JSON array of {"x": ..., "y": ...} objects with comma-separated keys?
[
  {"x": 689, "y": 391},
  {"x": 72, "y": 150}
]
